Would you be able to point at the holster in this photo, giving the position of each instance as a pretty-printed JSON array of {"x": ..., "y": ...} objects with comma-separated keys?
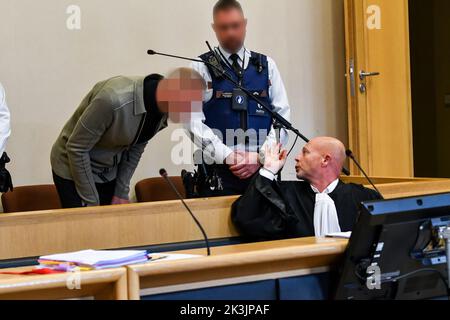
[{"x": 5, "y": 177}]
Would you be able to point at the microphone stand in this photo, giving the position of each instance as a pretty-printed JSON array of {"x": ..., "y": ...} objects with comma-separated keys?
[
  {"x": 165, "y": 176},
  {"x": 277, "y": 129},
  {"x": 278, "y": 120},
  {"x": 350, "y": 154}
]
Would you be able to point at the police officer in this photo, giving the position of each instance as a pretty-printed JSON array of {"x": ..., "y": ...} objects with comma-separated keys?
[{"x": 232, "y": 130}]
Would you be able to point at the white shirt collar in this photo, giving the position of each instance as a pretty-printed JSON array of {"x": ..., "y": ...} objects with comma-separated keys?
[
  {"x": 331, "y": 187},
  {"x": 240, "y": 53}
]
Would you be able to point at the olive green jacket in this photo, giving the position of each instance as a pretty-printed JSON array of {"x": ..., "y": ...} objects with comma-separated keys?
[{"x": 98, "y": 143}]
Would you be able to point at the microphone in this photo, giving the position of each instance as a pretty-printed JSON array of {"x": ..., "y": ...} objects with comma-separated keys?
[
  {"x": 163, "y": 174},
  {"x": 221, "y": 71},
  {"x": 280, "y": 119},
  {"x": 156, "y": 53},
  {"x": 350, "y": 154},
  {"x": 345, "y": 171}
]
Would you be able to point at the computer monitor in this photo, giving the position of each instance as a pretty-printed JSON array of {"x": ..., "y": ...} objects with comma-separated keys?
[{"x": 395, "y": 251}]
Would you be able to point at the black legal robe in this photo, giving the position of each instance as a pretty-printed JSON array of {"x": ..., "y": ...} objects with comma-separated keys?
[{"x": 271, "y": 210}]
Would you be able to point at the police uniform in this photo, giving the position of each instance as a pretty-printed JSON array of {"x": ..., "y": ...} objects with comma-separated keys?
[{"x": 227, "y": 109}]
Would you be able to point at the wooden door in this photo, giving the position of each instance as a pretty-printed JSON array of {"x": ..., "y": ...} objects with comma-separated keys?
[{"x": 379, "y": 102}]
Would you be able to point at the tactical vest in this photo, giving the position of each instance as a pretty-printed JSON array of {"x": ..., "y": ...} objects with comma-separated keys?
[{"x": 218, "y": 111}]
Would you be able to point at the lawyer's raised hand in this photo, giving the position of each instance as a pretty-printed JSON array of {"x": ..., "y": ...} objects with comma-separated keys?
[{"x": 274, "y": 158}]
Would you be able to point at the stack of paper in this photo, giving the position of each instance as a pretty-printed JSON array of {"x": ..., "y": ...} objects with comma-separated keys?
[
  {"x": 93, "y": 259},
  {"x": 341, "y": 235}
]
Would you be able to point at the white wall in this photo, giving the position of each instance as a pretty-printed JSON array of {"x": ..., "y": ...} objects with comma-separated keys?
[{"x": 47, "y": 69}]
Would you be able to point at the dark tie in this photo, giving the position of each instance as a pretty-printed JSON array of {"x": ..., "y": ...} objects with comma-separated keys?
[{"x": 236, "y": 66}]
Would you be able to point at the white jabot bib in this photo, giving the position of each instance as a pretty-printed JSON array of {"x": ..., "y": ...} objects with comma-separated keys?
[{"x": 326, "y": 220}]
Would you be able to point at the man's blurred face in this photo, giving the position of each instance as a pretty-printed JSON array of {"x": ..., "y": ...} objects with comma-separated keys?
[
  {"x": 180, "y": 96},
  {"x": 308, "y": 162},
  {"x": 230, "y": 28}
]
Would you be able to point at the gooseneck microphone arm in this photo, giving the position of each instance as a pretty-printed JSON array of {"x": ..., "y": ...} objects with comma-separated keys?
[
  {"x": 163, "y": 174},
  {"x": 278, "y": 119},
  {"x": 350, "y": 154}
]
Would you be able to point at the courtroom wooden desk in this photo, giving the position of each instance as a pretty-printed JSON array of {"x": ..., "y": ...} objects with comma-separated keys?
[
  {"x": 108, "y": 284},
  {"x": 236, "y": 264},
  {"x": 31, "y": 234},
  {"x": 414, "y": 188},
  {"x": 385, "y": 180}
]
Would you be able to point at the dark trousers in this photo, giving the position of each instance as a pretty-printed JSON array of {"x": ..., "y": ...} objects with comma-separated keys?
[{"x": 69, "y": 197}]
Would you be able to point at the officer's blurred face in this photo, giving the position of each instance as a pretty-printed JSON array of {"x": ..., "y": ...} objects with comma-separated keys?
[{"x": 230, "y": 28}]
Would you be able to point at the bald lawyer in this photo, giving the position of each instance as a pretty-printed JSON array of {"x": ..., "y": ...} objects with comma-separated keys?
[{"x": 317, "y": 205}]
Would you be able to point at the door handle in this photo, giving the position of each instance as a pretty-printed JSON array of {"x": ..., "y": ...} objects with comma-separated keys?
[
  {"x": 363, "y": 74},
  {"x": 351, "y": 73}
]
